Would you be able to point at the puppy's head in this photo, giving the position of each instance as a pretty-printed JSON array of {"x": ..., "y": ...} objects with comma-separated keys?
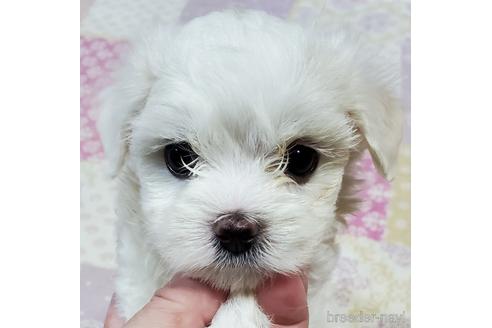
[{"x": 238, "y": 129}]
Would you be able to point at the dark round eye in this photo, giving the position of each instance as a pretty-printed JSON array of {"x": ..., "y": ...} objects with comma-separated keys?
[
  {"x": 302, "y": 162},
  {"x": 179, "y": 157}
]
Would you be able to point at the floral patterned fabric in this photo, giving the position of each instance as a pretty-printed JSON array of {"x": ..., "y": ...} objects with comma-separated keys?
[{"x": 373, "y": 274}]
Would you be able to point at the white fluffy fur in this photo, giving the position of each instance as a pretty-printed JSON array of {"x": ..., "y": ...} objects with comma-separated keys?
[{"x": 239, "y": 87}]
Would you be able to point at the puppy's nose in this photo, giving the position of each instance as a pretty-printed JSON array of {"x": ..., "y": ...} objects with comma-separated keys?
[{"x": 235, "y": 232}]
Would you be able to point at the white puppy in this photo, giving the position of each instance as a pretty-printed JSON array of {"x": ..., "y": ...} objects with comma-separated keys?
[{"x": 232, "y": 139}]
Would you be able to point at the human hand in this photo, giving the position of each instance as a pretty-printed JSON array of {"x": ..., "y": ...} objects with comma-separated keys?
[
  {"x": 284, "y": 300},
  {"x": 187, "y": 303}
]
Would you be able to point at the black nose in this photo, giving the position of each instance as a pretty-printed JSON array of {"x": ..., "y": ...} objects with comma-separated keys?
[{"x": 235, "y": 232}]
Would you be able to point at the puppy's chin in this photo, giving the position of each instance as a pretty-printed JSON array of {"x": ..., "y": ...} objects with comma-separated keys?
[
  {"x": 237, "y": 273},
  {"x": 233, "y": 279}
]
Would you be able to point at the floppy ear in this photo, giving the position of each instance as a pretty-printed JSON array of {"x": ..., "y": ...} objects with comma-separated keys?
[
  {"x": 120, "y": 104},
  {"x": 369, "y": 79},
  {"x": 379, "y": 119}
]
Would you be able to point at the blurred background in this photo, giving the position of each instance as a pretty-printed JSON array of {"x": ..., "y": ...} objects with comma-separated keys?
[{"x": 373, "y": 275}]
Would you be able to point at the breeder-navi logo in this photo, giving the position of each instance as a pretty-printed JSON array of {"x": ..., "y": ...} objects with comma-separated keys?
[{"x": 393, "y": 320}]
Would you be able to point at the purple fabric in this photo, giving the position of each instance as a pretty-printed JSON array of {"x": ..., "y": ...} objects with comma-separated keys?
[
  {"x": 195, "y": 8},
  {"x": 96, "y": 289}
]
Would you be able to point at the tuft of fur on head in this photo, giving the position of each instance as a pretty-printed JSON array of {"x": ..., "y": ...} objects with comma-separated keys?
[{"x": 240, "y": 87}]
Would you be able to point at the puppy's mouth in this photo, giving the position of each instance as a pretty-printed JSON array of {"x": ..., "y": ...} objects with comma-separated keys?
[
  {"x": 236, "y": 267},
  {"x": 246, "y": 256},
  {"x": 239, "y": 241}
]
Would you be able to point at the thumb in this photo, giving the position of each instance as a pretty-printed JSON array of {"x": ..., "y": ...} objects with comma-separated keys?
[
  {"x": 183, "y": 303},
  {"x": 284, "y": 299}
]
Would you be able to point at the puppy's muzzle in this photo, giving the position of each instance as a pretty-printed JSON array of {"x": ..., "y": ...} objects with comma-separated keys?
[{"x": 235, "y": 232}]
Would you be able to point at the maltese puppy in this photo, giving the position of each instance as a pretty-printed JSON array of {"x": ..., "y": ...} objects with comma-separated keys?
[{"x": 232, "y": 139}]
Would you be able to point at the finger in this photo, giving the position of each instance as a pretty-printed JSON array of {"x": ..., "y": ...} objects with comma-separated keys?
[
  {"x": 113, "y": 320},
  {"x": 183, "y": 303},
  {"x": 284, "y": 300}
]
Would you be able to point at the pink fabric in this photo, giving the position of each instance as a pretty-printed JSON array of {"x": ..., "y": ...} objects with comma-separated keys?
[
  {"x": 98, "y": 57},
  {"x": 370, "y": 220}
]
